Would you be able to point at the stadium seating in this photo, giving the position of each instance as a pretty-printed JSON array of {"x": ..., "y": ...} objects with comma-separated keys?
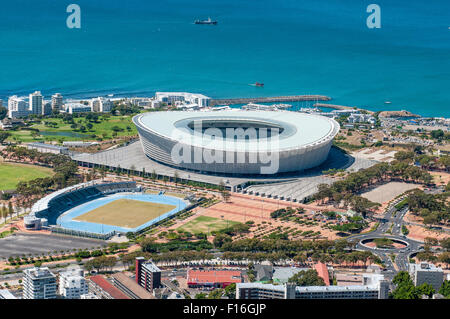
[{"x": 80, "y": 194}]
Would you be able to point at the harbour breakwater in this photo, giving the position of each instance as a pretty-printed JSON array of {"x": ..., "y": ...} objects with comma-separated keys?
[
  {"x": 334, "y": 106},
  {"x": 274, "y": 99}
]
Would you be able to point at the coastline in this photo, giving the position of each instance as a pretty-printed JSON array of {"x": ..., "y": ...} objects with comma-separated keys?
[{"x": 233, "y": 101}]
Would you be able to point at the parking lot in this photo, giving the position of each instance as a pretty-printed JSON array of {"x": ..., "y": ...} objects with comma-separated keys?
[{"x": 38, "y": 244}]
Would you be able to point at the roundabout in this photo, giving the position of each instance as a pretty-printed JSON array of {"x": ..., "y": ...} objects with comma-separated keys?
[{"x": 384, "y": 243}]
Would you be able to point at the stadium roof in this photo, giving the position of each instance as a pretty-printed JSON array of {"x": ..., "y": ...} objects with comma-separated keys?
[{"x": 299, "y": 129}]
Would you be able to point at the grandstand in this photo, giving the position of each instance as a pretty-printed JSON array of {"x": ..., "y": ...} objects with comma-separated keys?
[{"x": 47, "y": 210}]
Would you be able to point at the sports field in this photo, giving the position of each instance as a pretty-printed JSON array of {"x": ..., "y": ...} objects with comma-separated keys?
[
  {"x": 205, "y": 224},
  {"x": 11, "y": 174},
  {"x": 126, "y": 213}
]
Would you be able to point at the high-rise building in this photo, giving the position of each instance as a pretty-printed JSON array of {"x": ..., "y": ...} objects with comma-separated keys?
[
  {"x": 47, "y": 108},
  {"x": 426, "y": 273},
  {"x": 101, "y": 105},
  {"x": 72, "y": 284},
  {"x": 36, "y": 103},
  {"x": 148, "y": 275},
  {"x": 374, "y": 287},
  {"x": 57, "y": 102},
  {"x": 39, "y": 283},
  {"x": 17, "y": 107}
]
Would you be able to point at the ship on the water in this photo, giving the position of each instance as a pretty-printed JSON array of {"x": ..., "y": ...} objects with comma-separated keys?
[{"x": 208, "y": 21}]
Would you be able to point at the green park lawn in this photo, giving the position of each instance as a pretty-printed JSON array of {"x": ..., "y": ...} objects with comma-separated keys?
[
  {"x": 63, "y": 131},
  {"x": 12, "y": 174},
  {"x": 203, "y": 224}
]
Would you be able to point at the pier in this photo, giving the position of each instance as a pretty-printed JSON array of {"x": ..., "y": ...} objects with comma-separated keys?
[
  {"x": 334, "y": 106},
  {"x": 275, "y": 99}
]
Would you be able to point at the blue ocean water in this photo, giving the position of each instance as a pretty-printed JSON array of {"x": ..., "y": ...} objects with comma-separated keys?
[{"x": 295, "y": 47}]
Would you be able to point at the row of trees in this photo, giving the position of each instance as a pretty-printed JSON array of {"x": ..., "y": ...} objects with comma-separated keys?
[
  {"x": 425, "y": 161},
  {"x": 351, "y": 258},
  {"x": 433, "y": 208},
  {"x": 343, "y": 191}
]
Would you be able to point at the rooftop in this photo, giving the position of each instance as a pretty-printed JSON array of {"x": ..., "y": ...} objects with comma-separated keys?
[
  {"x": 322, "y": 271},
  {"x": 299, "y": 129},
  {"x": 213, "y": 276},
  {"x": 151, "y": 266},
  {"x": 48, "y": 146},
  {"x": 132, "y": 286},
  {"x": 104, "y": 284},
  {"x": 39, "y": 273}
]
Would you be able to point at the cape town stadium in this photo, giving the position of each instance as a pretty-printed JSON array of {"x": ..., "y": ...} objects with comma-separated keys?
[{"x": 235, "y": 141}]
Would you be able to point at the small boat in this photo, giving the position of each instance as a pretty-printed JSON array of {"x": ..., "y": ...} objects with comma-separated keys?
[
  {"x": 209, "y": 21},
  {"x": 259, "y": 84},
  {"x": 387, "y": 102}
]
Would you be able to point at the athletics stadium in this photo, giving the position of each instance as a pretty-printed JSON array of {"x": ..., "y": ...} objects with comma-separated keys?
[{"x": 101, "y": 209}]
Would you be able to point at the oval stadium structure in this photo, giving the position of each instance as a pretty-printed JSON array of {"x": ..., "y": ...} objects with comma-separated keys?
[{"x": 235, "y": 141}]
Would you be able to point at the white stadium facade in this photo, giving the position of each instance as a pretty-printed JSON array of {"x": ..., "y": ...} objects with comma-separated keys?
[{"x": 237, "y": 142}]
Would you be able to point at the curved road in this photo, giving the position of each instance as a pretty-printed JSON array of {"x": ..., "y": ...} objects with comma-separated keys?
[{"x": 402, "y": 254}]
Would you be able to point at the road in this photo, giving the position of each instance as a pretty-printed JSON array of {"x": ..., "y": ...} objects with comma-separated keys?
[{"x": 392, "y": 220}]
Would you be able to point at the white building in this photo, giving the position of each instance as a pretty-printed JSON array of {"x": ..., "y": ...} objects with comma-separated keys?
[
  {"x": 39, "y": 283},
  {"x": 361, "y": 118},
  {"x": 35, "y": 101},
  {"x": 374, "y": 287},
  {"x": 426, "y": 273},
  {"x": 47, "y": 108},
  {"x": 101, "y": 104},
  {"x": 72, "y": 284},
  {"x": 17, "y": 107},
  {"x": 89, "y": 296},
  {"x": 77, "y": 108},
  {"x": 6, "y": 294},
  {"x": 57, "y": 101},
  {"x": 183, "y": 98},
  {"x": 145, "y": 102}
]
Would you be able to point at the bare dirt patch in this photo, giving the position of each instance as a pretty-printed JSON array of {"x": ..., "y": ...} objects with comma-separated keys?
[{"x": 388, "y": 191}]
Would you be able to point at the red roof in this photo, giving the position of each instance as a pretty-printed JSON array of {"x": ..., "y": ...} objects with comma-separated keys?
[
  {"x": 322, "y": 271},
  {"x": 108, "y": 287},
  {"x": 213, "y": 276}
]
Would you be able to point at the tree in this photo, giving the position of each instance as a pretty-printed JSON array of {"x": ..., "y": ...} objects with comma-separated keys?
[
  {"x": 216, "y": 294},
  {"x": 224, "y": 192},
  {"x": 445, "y": 289},
  {"x": 437, "y": 134},
  {"x": 3, "y": 112},
  {"x": 307, "y": 278},
  {"x": 230, "y": 291},
  {"x": 404, "y": 287},
  {"x": 4, "y": 136},
  {"x": 10, "y": 209},
  {"x": 220, "y": 239},
  {"x": 175, "y": 178},
  {"x": 425, "y": 289}
]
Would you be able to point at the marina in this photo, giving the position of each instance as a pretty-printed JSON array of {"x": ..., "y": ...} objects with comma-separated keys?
[{"x": 275, "y": 99}]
